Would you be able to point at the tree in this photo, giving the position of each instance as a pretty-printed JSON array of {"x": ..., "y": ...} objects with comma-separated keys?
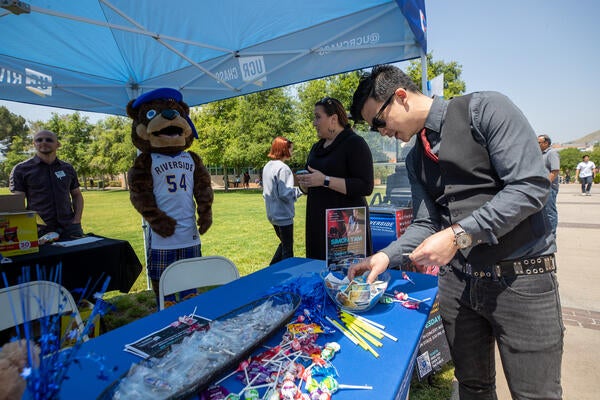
[
  {"x": 238, "y": 132},
  {"x": 11, "y": 126},
  {"x": 15, "y": 142},
  {"x": 74, "y": 135},
  {"x": 569, "y": 158},
  {"x": 111, "y": 150},
  {"x": 453, "y": 85},
  {"x": 340, "y": 87}
]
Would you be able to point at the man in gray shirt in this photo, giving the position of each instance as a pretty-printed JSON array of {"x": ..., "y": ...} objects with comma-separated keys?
[
  {"x": 552, "y": 164},
  {"x": 477, "y": 195},
  {"x": 51, "y": 188}
]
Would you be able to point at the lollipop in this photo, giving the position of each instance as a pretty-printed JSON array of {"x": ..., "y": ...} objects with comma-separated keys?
[
  {"x": 329, "y": 350},
  {"x": 406, "y": 277},
  {"x": 288, "y": 390}
]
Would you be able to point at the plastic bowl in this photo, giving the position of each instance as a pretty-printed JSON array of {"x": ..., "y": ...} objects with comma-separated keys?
[{"x": 355, "y": 296}]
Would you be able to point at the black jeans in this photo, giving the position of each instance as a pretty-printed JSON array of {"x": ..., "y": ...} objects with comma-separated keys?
[
  {"x": 522, "y": 314},
  {"x": 286, "y": 247}
]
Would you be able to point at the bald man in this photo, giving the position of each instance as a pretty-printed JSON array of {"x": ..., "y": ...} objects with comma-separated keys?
[{"x": 51, "y": 188}]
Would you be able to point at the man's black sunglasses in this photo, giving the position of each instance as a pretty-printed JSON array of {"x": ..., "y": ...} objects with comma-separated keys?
[
  {"x": 47, "y": 140},
  {"x": 377, "y": 122}
]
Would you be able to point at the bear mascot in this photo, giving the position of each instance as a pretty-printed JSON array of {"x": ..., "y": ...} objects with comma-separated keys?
[{"x": 165, "y": 179}]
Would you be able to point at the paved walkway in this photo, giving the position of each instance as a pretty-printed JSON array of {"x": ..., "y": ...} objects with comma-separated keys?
[{"x": 578, "y": 258}]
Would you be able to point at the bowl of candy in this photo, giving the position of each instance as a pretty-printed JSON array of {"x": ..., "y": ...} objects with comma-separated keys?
[{"x": 356, "y": 295}]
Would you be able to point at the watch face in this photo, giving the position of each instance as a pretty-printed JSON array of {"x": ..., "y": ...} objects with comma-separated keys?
[{"x": 463, "y": 241}]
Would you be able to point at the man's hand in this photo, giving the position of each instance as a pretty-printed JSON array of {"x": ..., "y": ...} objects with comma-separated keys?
[
  {"x": 377, "y": 264},
  {"x": 437, "y": 249}
]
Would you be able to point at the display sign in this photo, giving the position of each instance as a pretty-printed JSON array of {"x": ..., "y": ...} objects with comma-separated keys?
[
  {"x": 433, "y": 350},
  {"x": 346, "y": 235}
]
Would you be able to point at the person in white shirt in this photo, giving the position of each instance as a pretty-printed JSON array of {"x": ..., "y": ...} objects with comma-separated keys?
[
  {"x": 280, "y": 195},
  {"x": 585, "y": 172}
]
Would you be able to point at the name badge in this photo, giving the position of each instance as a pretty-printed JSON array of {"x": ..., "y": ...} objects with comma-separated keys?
[{"x": 60, "y": 174}]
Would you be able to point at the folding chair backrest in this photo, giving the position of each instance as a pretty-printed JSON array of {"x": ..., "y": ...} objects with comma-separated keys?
[
  {"x": 33, "y": 300},
  {"x": 193, "y": 273}
]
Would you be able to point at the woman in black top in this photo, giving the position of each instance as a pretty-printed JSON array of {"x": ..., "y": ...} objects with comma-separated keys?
[{"x": 341, "y": 173}]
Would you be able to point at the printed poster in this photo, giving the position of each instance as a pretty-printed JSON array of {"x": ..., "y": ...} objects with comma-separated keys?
[
  {"x": 346, "y": 236},
  {"x": 433, "y": 350}
]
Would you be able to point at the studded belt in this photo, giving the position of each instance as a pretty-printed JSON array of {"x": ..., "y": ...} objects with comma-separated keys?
[{"x": 521, "y": 266}]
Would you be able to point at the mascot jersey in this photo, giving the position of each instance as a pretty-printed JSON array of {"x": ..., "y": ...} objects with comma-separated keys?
[{"x": 173, "y": 177}]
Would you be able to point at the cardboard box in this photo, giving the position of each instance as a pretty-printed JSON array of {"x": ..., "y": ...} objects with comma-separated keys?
[
  {"x": 68, "y": 324},
  {"x": 13, "y": 202},
  {"x": 18, "y": 233}
]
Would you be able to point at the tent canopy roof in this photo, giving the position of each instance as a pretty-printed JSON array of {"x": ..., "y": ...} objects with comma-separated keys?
[{"x": 96, "y": 55}]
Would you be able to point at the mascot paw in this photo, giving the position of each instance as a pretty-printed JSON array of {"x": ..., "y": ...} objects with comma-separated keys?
[
  {"x": 165, "y": 227},
  {"x": 203, "y": 225}
]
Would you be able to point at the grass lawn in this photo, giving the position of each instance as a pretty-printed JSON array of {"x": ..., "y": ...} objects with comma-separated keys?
[
  {"x": 240, "y": 229},
  {"x": 240, "y": 232}
]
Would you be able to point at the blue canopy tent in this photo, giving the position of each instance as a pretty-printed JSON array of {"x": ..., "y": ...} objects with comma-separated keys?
[{"x": 96, "y": 55}]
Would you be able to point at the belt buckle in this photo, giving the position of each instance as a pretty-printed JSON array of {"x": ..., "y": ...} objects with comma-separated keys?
[{"x": 549, "y": 263}]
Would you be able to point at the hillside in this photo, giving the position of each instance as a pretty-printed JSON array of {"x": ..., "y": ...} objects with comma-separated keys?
[{"x": 587, "y": 139}]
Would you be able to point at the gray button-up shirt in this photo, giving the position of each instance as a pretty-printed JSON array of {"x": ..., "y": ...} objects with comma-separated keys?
[
  {"x": 47, "y": 188},
  {"x": 515, "y": 155}
]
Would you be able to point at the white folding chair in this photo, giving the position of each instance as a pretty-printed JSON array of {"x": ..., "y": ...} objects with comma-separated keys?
[
  {"x": 194, "y": 273},
  {"x": 36, "y": 299}
]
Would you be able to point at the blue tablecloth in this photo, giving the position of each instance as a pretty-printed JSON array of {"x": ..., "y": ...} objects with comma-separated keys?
[{"x": 389, "y": 374}]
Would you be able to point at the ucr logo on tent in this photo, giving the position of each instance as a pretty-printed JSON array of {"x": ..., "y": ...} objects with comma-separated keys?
[
  {"x": 38, "y": 83},
  {"x": 252, "y": 68}
]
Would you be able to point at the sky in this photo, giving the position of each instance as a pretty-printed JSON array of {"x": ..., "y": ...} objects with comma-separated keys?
[{"x": 544, "y": 55}]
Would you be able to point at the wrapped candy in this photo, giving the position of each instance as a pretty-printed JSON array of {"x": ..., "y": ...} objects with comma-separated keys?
[
  {"x": 288, "y": 390},
  {"x": 251, "y": 394},
  {"x": 214, "y": 393},
  {"x": 329, "y": 350},
  {"x": 157, "y": 384}
]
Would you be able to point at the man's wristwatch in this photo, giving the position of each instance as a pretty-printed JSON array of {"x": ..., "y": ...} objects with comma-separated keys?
[
  {"x": 462, "y": 239},
  {"x": 326, "y": 182}
]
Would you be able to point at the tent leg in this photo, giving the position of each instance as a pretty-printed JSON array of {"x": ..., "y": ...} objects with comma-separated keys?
[
  {"x": 146, "y": 233},
  {"x": 424, "y": 86}
]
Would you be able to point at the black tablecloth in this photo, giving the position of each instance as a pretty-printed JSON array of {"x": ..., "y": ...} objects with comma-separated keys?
[{"x": 106, "y": 257}]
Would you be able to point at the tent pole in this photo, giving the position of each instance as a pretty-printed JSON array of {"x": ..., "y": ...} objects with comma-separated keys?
[{"x": 424, "y": 73}]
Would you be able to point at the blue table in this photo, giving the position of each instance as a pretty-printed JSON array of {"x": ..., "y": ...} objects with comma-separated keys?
[{"x": 390, "y": 374}]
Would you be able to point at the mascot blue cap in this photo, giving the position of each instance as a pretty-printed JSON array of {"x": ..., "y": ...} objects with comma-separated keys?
[{"x": 164, "y": 94}]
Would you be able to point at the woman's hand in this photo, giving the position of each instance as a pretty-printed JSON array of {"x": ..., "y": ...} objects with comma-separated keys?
[{"x": 312, "y": 179}]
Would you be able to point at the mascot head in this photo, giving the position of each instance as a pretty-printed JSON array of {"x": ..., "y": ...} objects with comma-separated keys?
[{"x": 161, "y": 122}]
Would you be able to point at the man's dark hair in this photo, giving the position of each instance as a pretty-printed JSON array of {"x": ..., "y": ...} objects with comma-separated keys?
[
  {"x": 379, "y": 84},
  {"x": 546, "y": 139}
]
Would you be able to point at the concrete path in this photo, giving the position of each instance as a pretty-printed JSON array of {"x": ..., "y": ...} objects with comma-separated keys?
[{"x": 578, "y": 259}]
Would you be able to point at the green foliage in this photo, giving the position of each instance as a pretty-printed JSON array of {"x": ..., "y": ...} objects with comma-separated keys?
[
  {"x": 439, "y": 386},
  {"x": 15, "y": 142},
  {"x": 340, "y": 86},
  {"x": 73, "y": 133},
  {"x": 453, "y": 85},
  {"x": 12, "y": 126},
  {"x": 20, "y": 150},
  {"x": 238, "y": 132},
  {"x": 111, "y": 151},
  {"x": 569, "y": 158}
]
